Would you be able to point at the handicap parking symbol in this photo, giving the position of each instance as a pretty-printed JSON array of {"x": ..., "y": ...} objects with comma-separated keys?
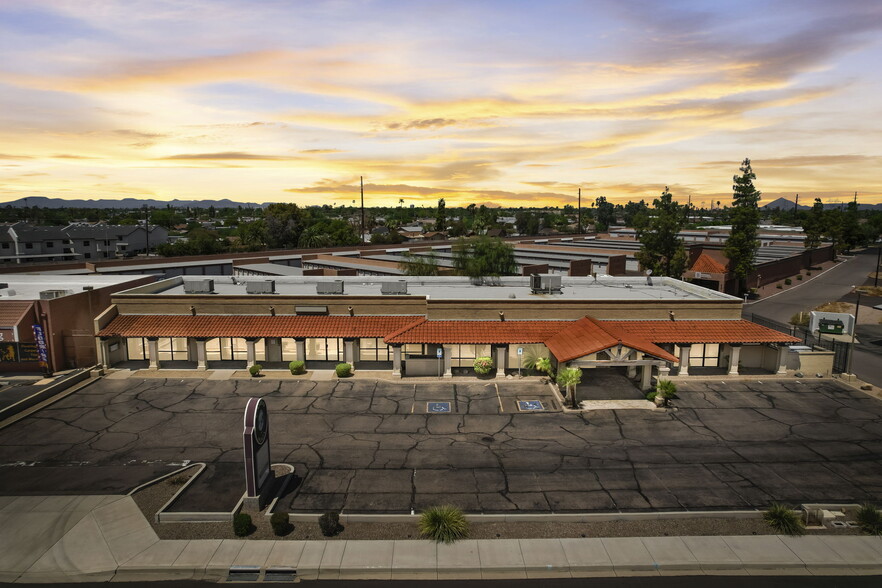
[
  {"x": 526, "y": 405},
  {"x": 438, "y": 406}
]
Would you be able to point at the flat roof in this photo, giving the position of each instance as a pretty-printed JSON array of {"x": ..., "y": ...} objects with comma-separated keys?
[
  {"x": 612, "y": 288},
  {"x": 29, "y": 286}
]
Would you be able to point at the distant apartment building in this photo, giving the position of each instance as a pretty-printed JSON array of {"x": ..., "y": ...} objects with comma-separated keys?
[{"x": 24, "y": 243}]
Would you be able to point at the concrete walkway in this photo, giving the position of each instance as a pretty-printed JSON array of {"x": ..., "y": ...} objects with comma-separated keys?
[{"x": 99, "y": 538}]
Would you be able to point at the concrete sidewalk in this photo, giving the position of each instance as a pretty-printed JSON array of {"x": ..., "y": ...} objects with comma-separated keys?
[{"x": 99, "y": 538}]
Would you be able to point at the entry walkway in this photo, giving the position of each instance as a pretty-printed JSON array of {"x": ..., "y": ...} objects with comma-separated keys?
[{"x": 99, "y": 538}]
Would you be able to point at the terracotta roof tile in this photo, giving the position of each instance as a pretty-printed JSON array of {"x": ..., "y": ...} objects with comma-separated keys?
[
  {"x": 474, "y": 332},
  {"x": 13, "y": 311},
  {"x": 703, "y": 331},
  {"x": 708, "y": 265},
  {"x": 586, "y": 336},
  {"x": 253, "y": 326}
]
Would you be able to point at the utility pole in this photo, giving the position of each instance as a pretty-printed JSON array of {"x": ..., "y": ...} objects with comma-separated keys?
[
  {"x": 361, "y": 179},
  {"x": 796, "y": 206},
  {"x": 689, "y": 208},
  {"x": 579, "y": 225}
]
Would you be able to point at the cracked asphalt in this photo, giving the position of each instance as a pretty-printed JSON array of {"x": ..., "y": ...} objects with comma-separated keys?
[{"x": 371, "y": 446}]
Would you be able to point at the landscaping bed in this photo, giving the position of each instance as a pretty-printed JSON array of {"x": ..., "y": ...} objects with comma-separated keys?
[{"x": 151, "y": 499}]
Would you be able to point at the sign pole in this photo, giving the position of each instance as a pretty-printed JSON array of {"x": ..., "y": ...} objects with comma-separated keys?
[{"x": 440, "y": 354}]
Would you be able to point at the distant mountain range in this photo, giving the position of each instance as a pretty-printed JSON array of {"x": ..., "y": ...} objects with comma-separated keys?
[
  {"x": 785, "y": 204},
  {"x": 44, "y": 202}
]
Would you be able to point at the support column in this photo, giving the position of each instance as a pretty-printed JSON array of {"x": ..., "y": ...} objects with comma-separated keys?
[
  {"x": 684, "y": 360},
  {"x": 300, "y": 345},
  {"x": 201, "y": 356},
  {"x": 349, "y": 352},
  {"x": 501, "y": 360},
  {"x": 448, "y": 361},
  {"x": 191, "y": 350},
  {"x": 152, "y": 353},
  {"x": 646, "y": 377},
  {"x": 632, "y": 372},
  {"x": 782, "y": 359},
  {"x": 396, "y": 361},
  {"x": 250, "y": 352},
  {"x": 103, "y": 347},
  {"x": 734, "y": 358}
]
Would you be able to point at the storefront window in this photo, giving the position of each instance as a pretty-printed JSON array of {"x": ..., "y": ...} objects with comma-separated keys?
[
  {"x": 324, "y": 349},
  {"x": 373, "y": 349}
]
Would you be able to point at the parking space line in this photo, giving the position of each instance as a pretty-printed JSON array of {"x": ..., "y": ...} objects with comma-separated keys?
[{"x": 498, "y": 397}]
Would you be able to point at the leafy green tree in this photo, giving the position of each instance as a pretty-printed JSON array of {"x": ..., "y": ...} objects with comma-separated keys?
[
  {"x": 420, "y": 265},
  {"x": 813, "y": 225},
  {"x": 284, "y": 223},
  {"x": 834, "y": 227},
  {"x": 605, "y": 214},
  {"x": 631, "y": 210},
  {"x": 441, "y": 216},
  {"x": 742, "y": 244},
  {"x": 527, "y": 223},
  {"x": 199, "y": 242},
  {"x": 252, "y": 235},
  {"x": 852, "y": 233},
  {"x": 483, "y": 256},
  {"x": 569, "y": 378},
  {"x": 662, "y": 250}
]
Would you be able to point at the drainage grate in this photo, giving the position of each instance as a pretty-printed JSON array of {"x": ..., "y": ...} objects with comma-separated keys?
[
  {"x": 280, "y": 574},
  {"x": 438, "y": 406},
  {"x": 839, "y": 524},
  {"x": 530, "y": 405},
  {"x": 243, "y": 574}
]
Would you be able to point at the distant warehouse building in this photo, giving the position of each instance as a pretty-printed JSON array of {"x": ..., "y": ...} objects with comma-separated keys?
[{"x": 436, "y": 325}]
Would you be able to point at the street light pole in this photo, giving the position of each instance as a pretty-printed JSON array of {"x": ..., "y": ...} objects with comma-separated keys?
[{"x": 853, "y": 330}]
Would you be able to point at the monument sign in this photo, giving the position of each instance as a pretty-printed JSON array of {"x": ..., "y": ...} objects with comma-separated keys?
[{"x": 258, "y": 472}]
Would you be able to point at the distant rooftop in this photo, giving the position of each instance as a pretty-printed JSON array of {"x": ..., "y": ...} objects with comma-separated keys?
[
  {"x": 456, "y": 288},
  {"x": 29, "y": 286}
]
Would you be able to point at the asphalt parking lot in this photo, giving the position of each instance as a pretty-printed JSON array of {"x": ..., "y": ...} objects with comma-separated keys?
[{"x": 367, "y": 446}]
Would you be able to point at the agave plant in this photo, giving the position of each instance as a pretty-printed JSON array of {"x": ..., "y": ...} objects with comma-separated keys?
[{"x": 444, "y": 524}]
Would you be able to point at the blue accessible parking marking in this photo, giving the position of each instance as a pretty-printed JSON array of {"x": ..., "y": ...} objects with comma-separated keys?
[
  {"x": 530, "y": 405},
  {"x": 438, "y": 406}
]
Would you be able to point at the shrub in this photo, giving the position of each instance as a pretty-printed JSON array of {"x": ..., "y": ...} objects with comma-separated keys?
[
  {"x": 808, "y": 273},
  {"x": 242, "y": 525},
  {"x": 483, "y": 365},
  {"x": 280, "y": 524},
  {"x": 779, "y": 286},
  {"x": 543, "y": 364},
  {"x": 344, "y": 370},
  {"x": 870, "y": 519},
  {"x": 787, "y": 281},
  {"x": 297, "y": 367},
  {"x": 443, "y": 524},
  {"x": 799, "y": 277},
  {"x": 255, "y": 370},
  {"x": 330, "y": 525},
  {"x": 800, "y": 319},
  {"x": 783, "y": 519},
  {"x": 666, "y": 388}
]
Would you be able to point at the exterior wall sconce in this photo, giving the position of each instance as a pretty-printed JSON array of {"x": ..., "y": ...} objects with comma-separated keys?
[
  {"x": 272, "y": 310},
  {"x": 501, "y": 315},
  {"x": 192, "y": 310}
]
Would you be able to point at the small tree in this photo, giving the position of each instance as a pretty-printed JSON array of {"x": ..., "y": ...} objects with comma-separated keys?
[
  {"x": 420, "y": 265},
  {"x": 662, "y": 250},
  {"x": 569, "y": 378},
  {"x": 483, "y": 256},
  {"x": 742, "y": 244},
  {"x": 441, "y": 216},
  {"x": 813, "y": 225}
]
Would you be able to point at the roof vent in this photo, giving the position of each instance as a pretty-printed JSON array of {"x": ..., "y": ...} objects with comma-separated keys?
[
  {"x": 51, "y": 294},
  {"x": 88, "y": 288},
  {"x": 199, "y": 286},
  {"x": 261, "y": 287},
  {"x": 3, "y": 285},
  {"x": 335, "y": 287},
  {"x": 547, "y": 283},
  {"x": 399, "y": 287}
]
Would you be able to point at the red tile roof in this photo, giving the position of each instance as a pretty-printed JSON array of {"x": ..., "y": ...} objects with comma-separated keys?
[
  {"x": 475, "y": 332},
  {"x": 253, "y": 326},
  {"x": 587, "y": 336},
  {"x": 13, "y": 311},
  {"x": 699, "y": 331},
  {"x": 708, "y": 265}
]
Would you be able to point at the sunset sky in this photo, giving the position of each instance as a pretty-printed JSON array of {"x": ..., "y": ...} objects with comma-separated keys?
[{"x": 516, "y": 103}]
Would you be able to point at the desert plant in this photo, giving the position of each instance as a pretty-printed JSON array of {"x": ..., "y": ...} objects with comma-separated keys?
[
  {"x": 783, "y": 519},
  {"x": 242, "y": 525},
  {"x": 800, "y": 319},
  {"x": 569, "y": 378},
  {"x": 780, "y": 287},
  {"x": 666, "y": 388},
  {"x": 344, "y": 370},
  {"x": 799, "y": 277},
  {"x": 255, "y": 370},
  {"x": 297, "y": 367},
  {"x": 483, "y": 365},
  {"x": 443, "y": 524},
  {"x": 330, "y": 525},
  {"x": 543, "y": 364},
  {"x": 870, "y": 519},
  {"x": 808, "y": 273},
  {"x": 787, "y": 281},
  {"x": 279, "y": 523}
]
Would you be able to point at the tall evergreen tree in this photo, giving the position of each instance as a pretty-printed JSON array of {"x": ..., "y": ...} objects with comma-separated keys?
[
  {"x": 441, "y": 216},
  {"x": 662, "y": 250},
  {"x": 742, "y": 245},
  {"x": 813, "y": 225}
]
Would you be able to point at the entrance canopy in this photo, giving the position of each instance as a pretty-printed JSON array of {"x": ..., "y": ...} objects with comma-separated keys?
[{"x": 587, "y": 336}]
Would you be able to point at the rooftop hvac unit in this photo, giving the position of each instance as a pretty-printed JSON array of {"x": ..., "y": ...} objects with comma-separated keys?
[
  {"x": 198, "y": 286},
  {"x": 399, "y": 287},
  {"x": 545, "y": 283},
  {"x": 335, "y": 287},
  {"x": 50, "y": 294},
  {"x": 3, "y": 285},
  {"x": 261, "y": 287}
]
